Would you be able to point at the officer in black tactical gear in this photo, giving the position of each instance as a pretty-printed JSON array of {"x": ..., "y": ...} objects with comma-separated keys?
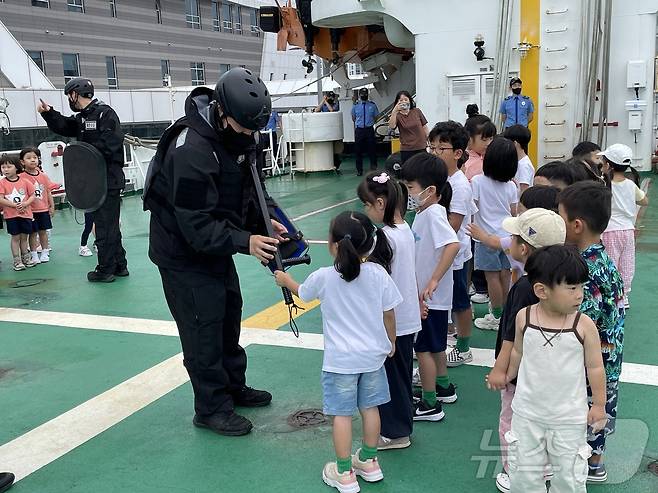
[
  {"x": 204, "y": 209},
  {"x": 97, "y": 124}
]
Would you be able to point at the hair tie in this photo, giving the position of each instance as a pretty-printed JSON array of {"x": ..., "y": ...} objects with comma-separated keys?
[
  {"x": 381, "y": 179},
  {"x": 347, "y": 237}
]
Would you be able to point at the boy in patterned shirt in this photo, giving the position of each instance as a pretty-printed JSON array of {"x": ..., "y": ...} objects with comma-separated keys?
[{"x": 585, "y": 207}]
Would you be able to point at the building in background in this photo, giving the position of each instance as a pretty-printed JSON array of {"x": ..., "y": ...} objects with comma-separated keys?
[{"x": 121, "y": 44}]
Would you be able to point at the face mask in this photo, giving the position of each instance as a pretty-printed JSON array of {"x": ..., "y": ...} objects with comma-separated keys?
[
  {"x": 73, "y": 106},
  {"x": 236, "y": 143},
  {"x": 364, "y": 97},
  {"x": 516, "y": 90},
  {"x": 414, "y": 202}
]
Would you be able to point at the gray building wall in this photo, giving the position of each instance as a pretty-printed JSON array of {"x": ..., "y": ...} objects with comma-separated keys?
[{"x": 134, "y": 37}]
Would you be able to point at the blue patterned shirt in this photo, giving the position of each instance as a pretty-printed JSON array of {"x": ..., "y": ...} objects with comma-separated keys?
[{"x": 603, "y": 303}]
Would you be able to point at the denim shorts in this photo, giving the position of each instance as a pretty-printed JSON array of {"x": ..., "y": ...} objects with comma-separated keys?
[
  {"x": 433, "y": 338},
  {"x": 460, "y": 299},
  {"x": 489, "y": 260},
  {"x": 343, "y": 394}
]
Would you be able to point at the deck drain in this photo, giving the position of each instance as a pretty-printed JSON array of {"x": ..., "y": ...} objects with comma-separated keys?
[
  {"x": 307, "y": 418},
  {"x": 653, "y": 467},
  {"x": 26, "y": 283}
]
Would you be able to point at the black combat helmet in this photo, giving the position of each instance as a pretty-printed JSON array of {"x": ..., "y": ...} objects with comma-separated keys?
[
  {"x": 244, "y": 97},
  {"x": 82, "y": 86}
]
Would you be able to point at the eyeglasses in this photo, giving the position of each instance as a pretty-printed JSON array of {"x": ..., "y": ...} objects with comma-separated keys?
[{"x": 431, "y": 148}]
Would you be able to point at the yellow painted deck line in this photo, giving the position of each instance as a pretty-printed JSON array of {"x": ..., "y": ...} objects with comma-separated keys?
[{"x": 277, "y": 315}]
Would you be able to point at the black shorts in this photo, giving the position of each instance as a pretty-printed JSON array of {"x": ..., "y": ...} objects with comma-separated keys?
[
  {"x": 41, "y": 222},
  {"x": 18, "y": 226},
  {"x": 433, "y": 338}
]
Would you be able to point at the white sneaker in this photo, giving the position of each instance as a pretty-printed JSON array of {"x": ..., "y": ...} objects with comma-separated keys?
[
  {"x": 457, "y": 358},
  {"x": 415, "y": 378},
  {"x": 35, "y": 258},
  {"x": 45, "y": 255},
  {"x": 503, "y": 483},
  {"x": 488, "y": 322},
  {"x": 480, "y": 298},
  {"x": 345, "y": 482},
  {"x": 386, "y": 443},
  {"x": 85, "y": 252},
  {"x": 27, "y": 260}
]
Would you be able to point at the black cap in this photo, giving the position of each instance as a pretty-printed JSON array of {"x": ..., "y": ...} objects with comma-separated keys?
[
  {"x": 244, "y": 97},
  {"x": 515, "y": 80},
  {"x": 82, "y": 86}
]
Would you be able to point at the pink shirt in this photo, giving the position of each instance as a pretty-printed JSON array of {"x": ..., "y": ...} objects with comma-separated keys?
[
  {"x": 16, "y": 191},
  {"x": 41, "y": 184},
  {"x": 473, "y": 166}
]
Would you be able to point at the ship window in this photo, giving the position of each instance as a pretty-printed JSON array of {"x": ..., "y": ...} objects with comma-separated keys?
[
  {"x": 227, "y": 14},
  {"x": 198, "y": 73},
  {"x": 37, "y": 56},
  {"x": 165, "y": 70},
  {"x": 71, "y": 62},
  {"x": 237, "y": 19},
  {"x": 192, "y": 16},
  {"x": 76, "y": 6},
  {"x": 253, "y": 21},
  {"x": 111, "y": 64},
  {"x": 216, "y": 23}
]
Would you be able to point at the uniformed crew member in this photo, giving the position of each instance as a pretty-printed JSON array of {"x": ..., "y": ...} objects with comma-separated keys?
[
  {"x": 516, "y": 109},
  {"x": 97, "y": 124},
  {"x": 364, "y": 114},
  {"x": 204, "y": 210}
]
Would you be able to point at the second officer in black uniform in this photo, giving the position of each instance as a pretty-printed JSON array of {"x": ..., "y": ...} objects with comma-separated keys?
[
  {"x": 204, "y": 210},
  {"x": 97, "y": 124}
]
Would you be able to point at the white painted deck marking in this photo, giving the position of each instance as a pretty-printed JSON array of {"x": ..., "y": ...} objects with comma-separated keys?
[
  {"x": 46, "y": 443},
  {"x": 324, "y": 209}
]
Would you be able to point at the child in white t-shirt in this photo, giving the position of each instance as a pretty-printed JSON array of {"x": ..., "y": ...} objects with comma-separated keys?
[
  {"x": 357, "y": 298},
  {"x": 619, "y": 236},
  {"x": 437, "y": 245},
  {"x": 496, "y": 196},
  {"x": 382, "y": 198},
  {"x": 525, "y": 172},
  {"x": 448, "y": 141}
]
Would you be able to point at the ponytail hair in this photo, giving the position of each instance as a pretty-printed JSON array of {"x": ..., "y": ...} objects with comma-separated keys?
[
  {"x": 384, "y": 186},
  {"x": 357, "y": 238}
]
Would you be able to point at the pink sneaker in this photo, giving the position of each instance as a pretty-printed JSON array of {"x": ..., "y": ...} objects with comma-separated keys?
[
  {"x": 345, "y": 482},
  {"x": 369, "y": 469}
]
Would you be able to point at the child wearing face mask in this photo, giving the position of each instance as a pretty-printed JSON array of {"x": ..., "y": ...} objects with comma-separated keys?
[{"x": 437, "y": 245}]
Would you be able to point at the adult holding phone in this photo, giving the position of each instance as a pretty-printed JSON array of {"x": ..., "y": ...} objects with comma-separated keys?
[{"x": 411, "y": 123}]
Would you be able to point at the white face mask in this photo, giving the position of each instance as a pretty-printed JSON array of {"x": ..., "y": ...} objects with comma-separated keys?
[{"x": 414, "y": 202}]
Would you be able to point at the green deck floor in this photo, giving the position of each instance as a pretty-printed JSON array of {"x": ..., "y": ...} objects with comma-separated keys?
[{"x": 53, "y": 369}]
